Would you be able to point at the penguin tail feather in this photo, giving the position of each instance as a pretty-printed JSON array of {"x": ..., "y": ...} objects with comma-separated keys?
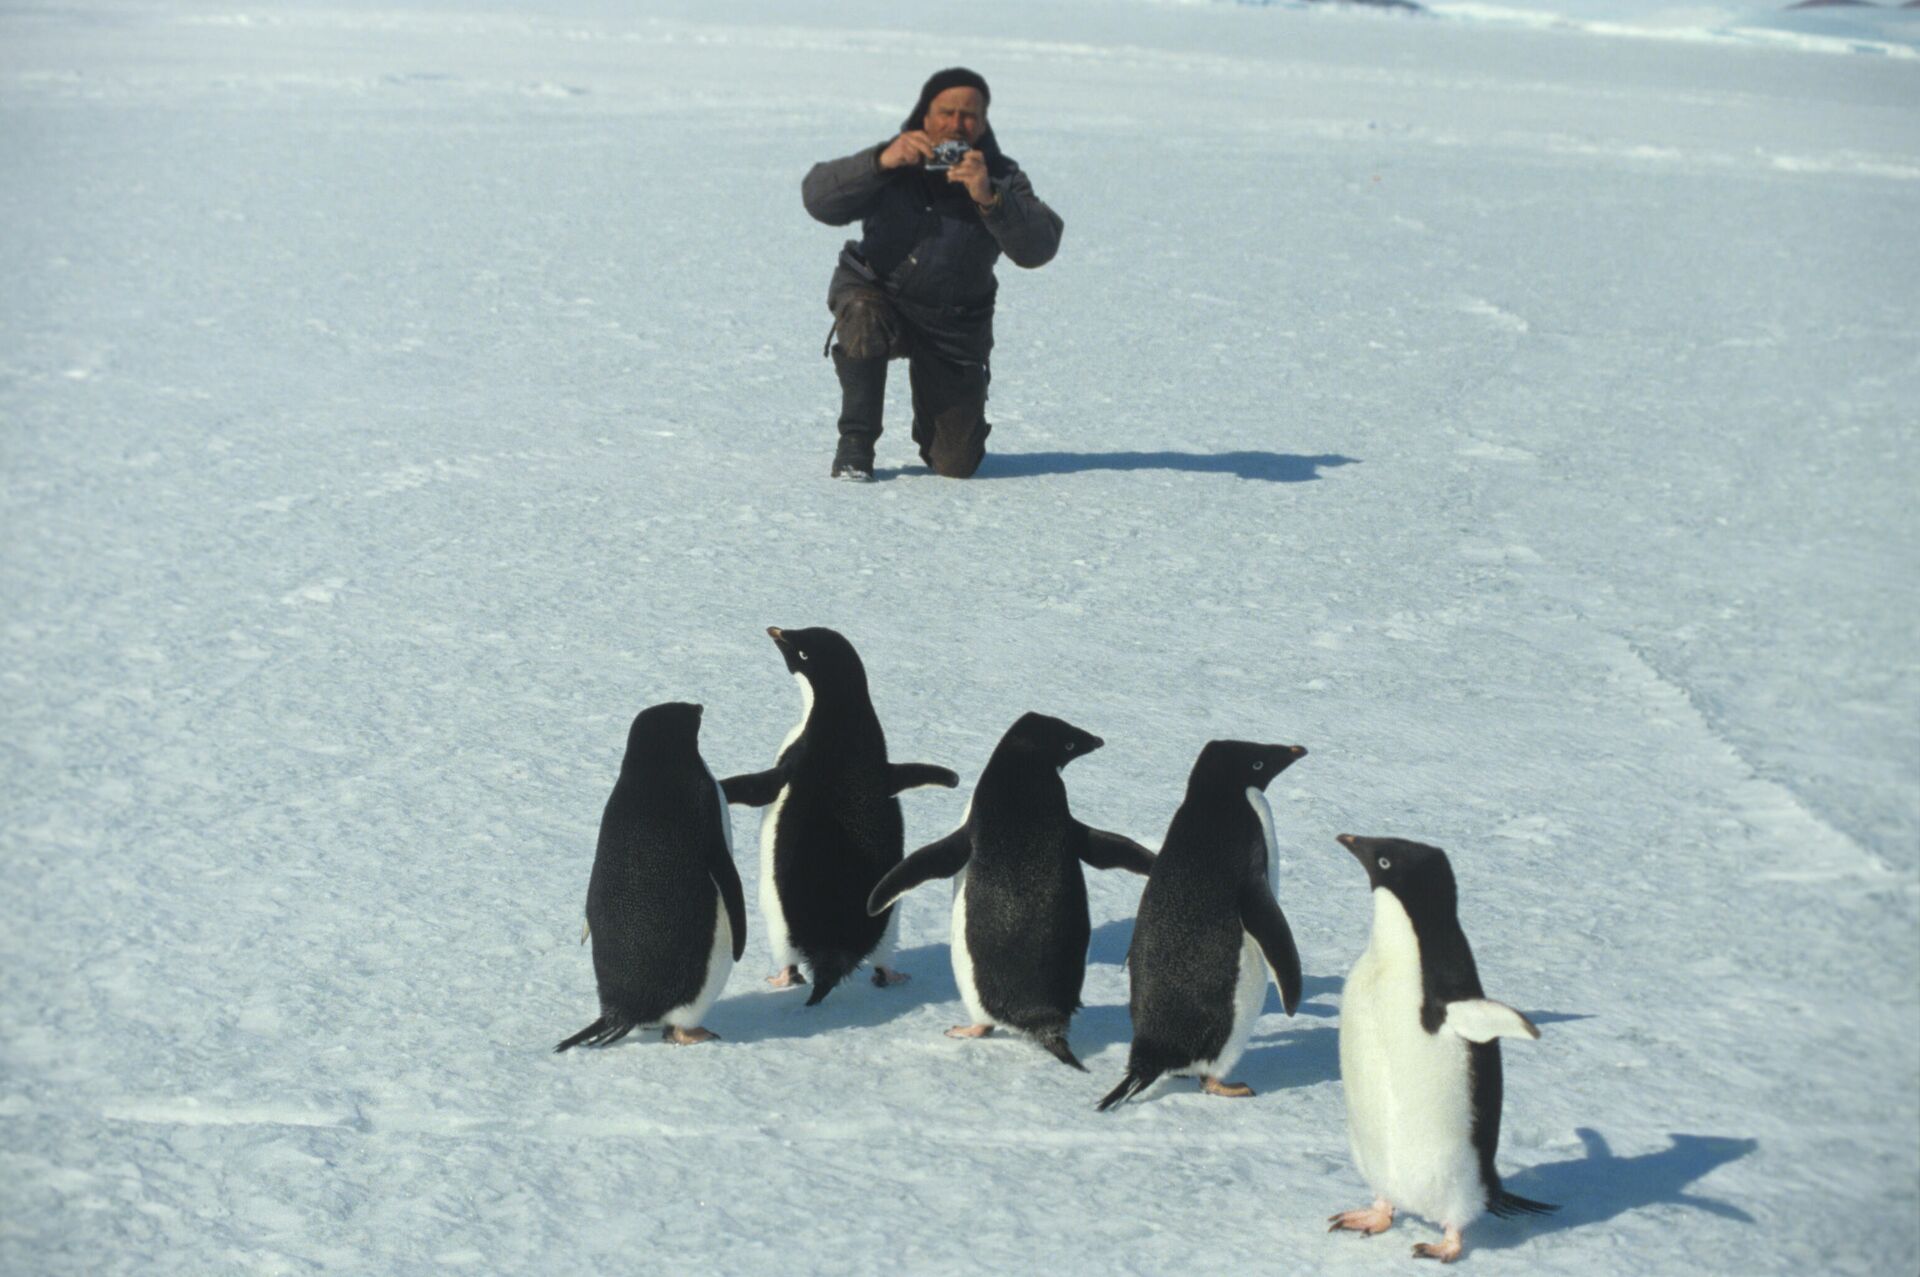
[
  {"x": 602, "y": 1032},
  {"x": 1054, "y": 1042},
  {"x": 1507, "y": 1205},
  {"x": 1130, "y": 1085},
  {"x": 828, "y": 970}
]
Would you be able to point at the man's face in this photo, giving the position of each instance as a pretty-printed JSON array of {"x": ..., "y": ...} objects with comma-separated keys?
[{"x": 956, "y": 113}]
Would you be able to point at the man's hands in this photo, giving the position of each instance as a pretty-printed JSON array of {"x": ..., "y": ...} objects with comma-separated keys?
[
  {"x": 916, "y": 148},
  {"x": 971, "y": 172},
  {"x": 909, "y": 148}
]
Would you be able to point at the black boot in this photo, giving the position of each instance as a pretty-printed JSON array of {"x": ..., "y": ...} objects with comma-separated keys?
[
  {"x": 863, "y": 392},
  {"x": 853, "y": 459}
]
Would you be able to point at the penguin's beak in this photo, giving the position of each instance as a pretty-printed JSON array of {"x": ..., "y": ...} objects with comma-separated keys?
[
  {"x": 773, "y": 632},
  {"x": 1352, "y": 844},
  {"x": 1299, "y": 752},
  {"x": 1096, "y": 743}
]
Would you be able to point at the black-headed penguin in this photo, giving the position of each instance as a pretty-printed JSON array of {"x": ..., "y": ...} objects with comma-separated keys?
[
  {"x": 1420, "y": 1055},
  {"x": 1210, "y": 932},
  {"x": 832, "y": 828},
  {"x": 1020, "y": 923},
  {"x": 664, "y": 905}
]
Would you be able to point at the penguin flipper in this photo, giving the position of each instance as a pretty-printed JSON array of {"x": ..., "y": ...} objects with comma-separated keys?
[
  {"x": 1483, "y": 1020},
  {"x": 752, "y": 789},
  {"x": 941, "y": 859},
  {"x": 726, "y": 878},
  {"x": 1103, "y": 850},
  {"x": 901, "y": 776},
  {"x": 1260, "y": 915}
]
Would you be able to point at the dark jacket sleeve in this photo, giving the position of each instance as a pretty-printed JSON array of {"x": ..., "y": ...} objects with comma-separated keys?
[
  {"x": 1028, "y": 231},
  {"x": 841, "y": 191}
]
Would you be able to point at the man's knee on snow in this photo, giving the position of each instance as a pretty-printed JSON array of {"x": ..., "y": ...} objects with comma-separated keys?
[{"x": 958, "y": 446}]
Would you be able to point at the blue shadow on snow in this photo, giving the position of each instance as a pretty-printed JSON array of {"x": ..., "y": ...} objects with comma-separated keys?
[
  {"x": 1273, "y": 467},
  {"x": 853, "y": 1003},
  {"x": 1599, "y": 1186}
]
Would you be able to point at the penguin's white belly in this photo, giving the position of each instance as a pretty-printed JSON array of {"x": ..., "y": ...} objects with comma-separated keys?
[
  {"x": 719, "y": 967},
  {"x": 770, "y": 909},
  {"x": 962, "y": 959},
  {"x": 778, "y": 937},
  {"x": 1249, "y": 995},
  {"x": 1409, "y": 1096}
]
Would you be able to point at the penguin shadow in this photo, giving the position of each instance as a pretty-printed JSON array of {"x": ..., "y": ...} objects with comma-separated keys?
[
  {"x": 1298, "y": 1055},
  {"x": 768, "y": 1014},
  {"x": 1599, "y": 1186},
  {"x": 1311, "y": 987},
  {"x": 1272, "y": 467},
  {"x": 1095, "y": 1028},
  {"x": 1109, "y": 942}
]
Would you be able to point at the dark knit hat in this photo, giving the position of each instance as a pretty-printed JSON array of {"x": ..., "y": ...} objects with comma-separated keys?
[{"x": 939, "y": 82}]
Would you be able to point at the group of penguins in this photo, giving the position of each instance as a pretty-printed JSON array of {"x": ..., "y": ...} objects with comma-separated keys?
[{"x": 1419, "y": 1040}]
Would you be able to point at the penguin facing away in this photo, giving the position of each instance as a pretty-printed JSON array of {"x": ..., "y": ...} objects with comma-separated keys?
[
  {"x": 1209, "y": 931},
  {"x": 1420, "y": 1055},
  {"x": 833, "y": 828},
  {"x": 1020, "y": 923},
  {"x": 664, "y": 905}
]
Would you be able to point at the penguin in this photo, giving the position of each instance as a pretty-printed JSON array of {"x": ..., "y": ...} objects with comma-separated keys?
[
  {"x": 1210, "y": 932},
  {"x": 664, "y": 905},
  {"x": 1020, "y": 923},
  {"x": 1420, "y": 1055},
  {"x": 832, "y": 828}
]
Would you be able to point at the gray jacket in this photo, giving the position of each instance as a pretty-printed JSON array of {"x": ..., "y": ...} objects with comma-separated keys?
[{"x": 926, "y": 244}]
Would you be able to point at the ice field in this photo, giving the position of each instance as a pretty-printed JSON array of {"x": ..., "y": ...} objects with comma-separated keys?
[{"x": 396, "y": 397}]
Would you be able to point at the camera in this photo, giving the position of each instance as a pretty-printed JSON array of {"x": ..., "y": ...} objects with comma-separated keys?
[{"x": 947, "y": 154}]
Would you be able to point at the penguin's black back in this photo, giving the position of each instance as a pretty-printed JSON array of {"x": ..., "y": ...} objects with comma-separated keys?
[
  {"x": 651, "y": 901},
  {"x": 840, "y": 831},
  {"x": 1027, "y": 922},
  {"x": 1185, "y": 956}
]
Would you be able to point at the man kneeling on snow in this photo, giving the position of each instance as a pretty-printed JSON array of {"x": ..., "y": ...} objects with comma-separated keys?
[{"x": 918, "y": 284}]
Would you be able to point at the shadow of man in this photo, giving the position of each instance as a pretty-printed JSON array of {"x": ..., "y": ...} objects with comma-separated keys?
[{"x": 1273, "y": 467}]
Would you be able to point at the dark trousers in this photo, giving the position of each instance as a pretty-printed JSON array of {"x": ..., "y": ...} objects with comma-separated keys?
[{"x": 949, "y": 399}]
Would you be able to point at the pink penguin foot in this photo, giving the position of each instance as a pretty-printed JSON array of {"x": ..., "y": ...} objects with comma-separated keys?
[
  {"x": 788, "y": 978},
  {"x": 1446, "y": 1251},
  {"x": 886, "y": 977},
  {"x": 688, "y": 1037},
  {"x": 970, "y": 1030},
  {"x": 1376, "y": 1218},
  {"x": 1231, "y": 1090}
]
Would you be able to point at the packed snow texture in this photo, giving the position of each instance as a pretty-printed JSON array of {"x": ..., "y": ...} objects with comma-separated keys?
[{"x": 397, "y": 397}]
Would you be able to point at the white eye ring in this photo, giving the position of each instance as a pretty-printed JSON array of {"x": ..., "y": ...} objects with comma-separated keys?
[
  {"x": 801, "y": 655},
  {"x": 1259, "y": 764},
  {"x": 1069, "y": 747},
  {"x": 1385, "y": 863}
]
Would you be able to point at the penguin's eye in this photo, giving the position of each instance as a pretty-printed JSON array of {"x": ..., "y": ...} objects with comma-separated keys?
[
  {"x": 1259, "y": 764},
  {"x": 800, "y": 654},
  {"x": 1069, "y": 747},
  {"x": 1385, "y": 863}
]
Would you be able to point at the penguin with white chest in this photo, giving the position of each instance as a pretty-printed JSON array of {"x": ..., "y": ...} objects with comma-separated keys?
[
  {"x": 1209, "y": 932},
  {"x": 1420, "y": 1055},
  {"x": 1020, "y": 922},
  {"x": 833, "y": 828},
  {"x": 664, "y": 905}
]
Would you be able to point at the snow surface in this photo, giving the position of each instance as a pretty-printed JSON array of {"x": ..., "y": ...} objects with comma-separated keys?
[{"x": 398, "y": 396}]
